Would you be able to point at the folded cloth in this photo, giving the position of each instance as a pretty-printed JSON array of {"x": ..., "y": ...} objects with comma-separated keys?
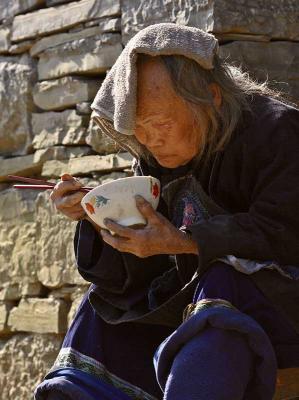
[
  {"x": 219, "y": 315},
  {"x": 107, "y": 359},
  {"x": 71, "y": 383},
  {"x": 116, "y": 98}
]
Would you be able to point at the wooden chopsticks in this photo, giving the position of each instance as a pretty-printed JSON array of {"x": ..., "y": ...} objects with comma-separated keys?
[{"x": 38, "y": 184}]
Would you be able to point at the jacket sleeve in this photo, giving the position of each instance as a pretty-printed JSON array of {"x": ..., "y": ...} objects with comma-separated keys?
[
  {"x": 111, "y": 270},
  {"x": 269, "y": 230}
]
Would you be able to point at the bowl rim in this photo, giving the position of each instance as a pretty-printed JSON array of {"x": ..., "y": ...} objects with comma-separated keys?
[{"x": 117, "y": 180}]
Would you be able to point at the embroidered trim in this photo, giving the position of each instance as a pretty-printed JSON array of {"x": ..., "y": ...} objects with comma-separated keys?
[
  {"x": 69, "y": 357},
  {"x": 203, "y": 304}
]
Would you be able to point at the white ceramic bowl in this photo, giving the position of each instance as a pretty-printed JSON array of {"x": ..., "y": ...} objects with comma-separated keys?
[{"x": 116, "y": 200}]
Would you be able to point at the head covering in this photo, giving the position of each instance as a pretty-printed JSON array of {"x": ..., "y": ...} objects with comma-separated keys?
[{"x": 114, "y": 107}]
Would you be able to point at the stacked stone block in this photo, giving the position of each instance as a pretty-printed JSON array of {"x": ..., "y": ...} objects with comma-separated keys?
[{"x": 54, "y": 54}]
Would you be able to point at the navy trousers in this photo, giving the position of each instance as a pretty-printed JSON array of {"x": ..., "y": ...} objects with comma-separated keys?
[{"x": 196, "y": 361}]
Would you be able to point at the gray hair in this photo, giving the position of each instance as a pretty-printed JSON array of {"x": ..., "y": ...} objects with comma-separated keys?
[{"x": 191, "y": 82}]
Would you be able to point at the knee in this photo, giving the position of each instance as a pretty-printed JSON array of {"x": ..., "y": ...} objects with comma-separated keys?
[
  {"x": 224, "y": 347},
  {"x": 214, "y": 364}
]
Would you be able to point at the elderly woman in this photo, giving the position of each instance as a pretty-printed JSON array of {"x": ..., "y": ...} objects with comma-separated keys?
[{"x": 201, "y": 303}]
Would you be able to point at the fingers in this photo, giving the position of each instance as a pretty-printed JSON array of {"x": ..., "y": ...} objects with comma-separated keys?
[
  {"x": 76, "y": 215},
  {"x": 69, "y": 200},
  {"x": 118, "y": 243},
  {"x": 119, "y": 229},
  {"x": 147, "y": 210},
  {"x": 67, "y": 177},
  {"x": 62, "y": 187}
]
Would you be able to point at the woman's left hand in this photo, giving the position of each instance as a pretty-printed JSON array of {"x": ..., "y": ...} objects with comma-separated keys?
[{"x": 159, "y": 236}]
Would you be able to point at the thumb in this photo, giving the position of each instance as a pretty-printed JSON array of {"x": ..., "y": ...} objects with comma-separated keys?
[
  {"x": 146, "y": 209},
  {"x": 68, "y": 177}
]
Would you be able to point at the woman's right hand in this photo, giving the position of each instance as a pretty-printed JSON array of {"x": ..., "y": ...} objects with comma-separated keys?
[{"x": 67, "y": 198}]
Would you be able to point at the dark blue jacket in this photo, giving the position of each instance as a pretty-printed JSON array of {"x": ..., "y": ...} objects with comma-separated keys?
[{"x": 255, "y": 179}]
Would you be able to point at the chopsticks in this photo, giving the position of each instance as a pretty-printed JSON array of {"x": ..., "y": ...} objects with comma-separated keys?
[{"x": 38, "y": 184}]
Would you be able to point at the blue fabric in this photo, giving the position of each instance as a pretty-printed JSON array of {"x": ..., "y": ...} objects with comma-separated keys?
[
  {"x": 222, "y": 353},
  {"x": 220, "y": 370},
  {"x": 233, "y": 357},
  {"x": 127, "y": 350},
  {"x": 224, "y": 282},
  {"x": 74, "y": 384}
]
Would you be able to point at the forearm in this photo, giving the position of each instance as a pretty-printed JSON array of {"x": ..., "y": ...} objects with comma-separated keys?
[
  {"x": 109, "y": 268},
  {"x": 189, "y": 245}
]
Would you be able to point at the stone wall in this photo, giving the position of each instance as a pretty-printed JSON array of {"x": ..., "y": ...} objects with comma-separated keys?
[{"x": 53, "y": 57}]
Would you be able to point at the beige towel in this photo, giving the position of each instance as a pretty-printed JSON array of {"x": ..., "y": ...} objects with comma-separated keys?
[{"x": 114, "y": 107}]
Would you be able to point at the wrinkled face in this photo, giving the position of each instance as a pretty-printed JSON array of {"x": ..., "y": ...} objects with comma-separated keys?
[{"x": 164, "y": 122}]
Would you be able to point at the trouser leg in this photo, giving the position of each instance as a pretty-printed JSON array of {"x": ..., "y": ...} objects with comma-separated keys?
[
  {"x": 215, "y": 365},
  {"x": 220, "y": 352},
  {"x": 56, "y": 395}
]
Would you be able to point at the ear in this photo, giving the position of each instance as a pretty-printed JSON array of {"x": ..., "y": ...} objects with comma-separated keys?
[{"x": 216, "y": 93}]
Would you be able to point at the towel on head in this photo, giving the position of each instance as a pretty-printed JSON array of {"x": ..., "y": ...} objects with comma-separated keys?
[{"x": 114, "y": 107}]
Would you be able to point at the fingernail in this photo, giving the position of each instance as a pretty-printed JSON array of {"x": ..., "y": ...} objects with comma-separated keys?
[{"x": 139, "y": 199}]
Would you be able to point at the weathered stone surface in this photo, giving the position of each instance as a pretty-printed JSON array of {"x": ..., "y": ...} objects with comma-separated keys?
[
  {"x": 62, "y": 38},
  {"x": 39, "y": 315},
  {"x": 56, "y": 2},
  {"x": 90, "y": 55},
  {"x": 84, "y": 108},
  {"x": 32, "y": 164},
  {"x": 278, "y": 61},
  {"x": 276, "y": 18},
  {"x": 76, "y": 298},
  {"x": 61, "y": 153},
  {"x": 31, "y": 289},
  {"x": 77, "y": 28},
  {"x": 24, "y": 361},
  {"x": 87, "y": 165},
  {"x": 66, "y": 292},
  {"x": 112, "y": 176},
  {"x": 4, "y": 39},
  {"x": 24, "y": 165},
  {"x": 10, "y": 291},
  {"x": 191, "y": 13},
  {"x": 14, "y": 291},
  {"x": 4, "y": 312},
  {"x": 21, "y": 47},
  {"x": 36, "y": 243},
  {"x": 100, "y": 142},
  {"x": 56, "y": 260},
  {"x": 10, "y": 8},
  {"x": 16, "y": 76},
  {"x": 18, "y": 236},
  {"x": 106, "y": 24},
  {"x": 64, "y": 92},
  {"x": 54, "y": 128},
  {"x": 98, "y": 178},
  {"x": 228, "y": 37},
  {"x": 45, "y": 21}
]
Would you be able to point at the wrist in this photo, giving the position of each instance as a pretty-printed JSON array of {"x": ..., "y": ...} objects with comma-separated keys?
[{"x": 190, "y": 246}]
